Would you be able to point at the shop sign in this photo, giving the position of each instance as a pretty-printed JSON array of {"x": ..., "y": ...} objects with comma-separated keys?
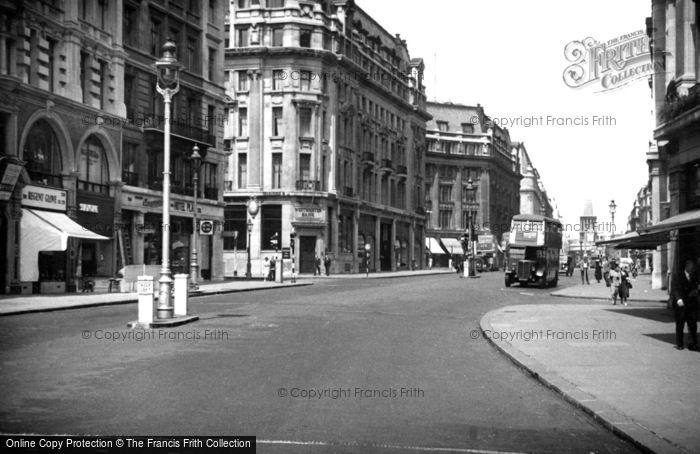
[
  {"x": 309, "y": 214},
  {"x": 96, "y": 212},
  {"x": 41, "y": 197},
  {"x": 9, "y": 179},
  {"x": 206, "y": 227}
]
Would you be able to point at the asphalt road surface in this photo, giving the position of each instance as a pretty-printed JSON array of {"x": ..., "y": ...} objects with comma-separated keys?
[{"x": 345, "y": 365}]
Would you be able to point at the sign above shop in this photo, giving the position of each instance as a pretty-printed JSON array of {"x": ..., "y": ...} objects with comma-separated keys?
[
  {"x": 9, "y": 179},
  {"x": 206, "y": 227},
  {"x": 41, "y": 197},
  {"x": 309, "y": 214}
]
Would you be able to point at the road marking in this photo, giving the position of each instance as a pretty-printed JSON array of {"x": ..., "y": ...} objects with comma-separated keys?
[
  {"x": 382, "y": 446},
  {"x": 527, "y": 294}
]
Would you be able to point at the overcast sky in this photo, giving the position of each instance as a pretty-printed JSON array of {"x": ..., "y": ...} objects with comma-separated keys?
[{"x": 508, "y": 55}]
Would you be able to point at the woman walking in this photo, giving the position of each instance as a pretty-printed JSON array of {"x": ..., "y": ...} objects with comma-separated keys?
[
  {"x": 598, "y": 271},
  {"x": 624, "y": 286}
]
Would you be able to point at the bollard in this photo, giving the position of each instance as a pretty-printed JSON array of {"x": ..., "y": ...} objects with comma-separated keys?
[
  {"x": 146, "y": 299},
  {"x": 180, "y": 294},
  {"x": 278, "y": 271}
]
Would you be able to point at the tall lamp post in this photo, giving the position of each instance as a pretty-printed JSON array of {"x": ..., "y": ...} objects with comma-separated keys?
[
  {"x": 367, "y": 253},
  {"x": 472, "y": 208},
  {"x": 168, "y": 85},
  {"x": 253, "y": 208},
  {"x": 292, "y": 240},
  {"x": 196, "y": 160},
  {"x": 613, "y": 209}
]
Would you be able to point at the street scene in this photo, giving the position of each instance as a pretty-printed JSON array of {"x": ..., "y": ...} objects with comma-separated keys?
[{"x": 349, "y": 226}]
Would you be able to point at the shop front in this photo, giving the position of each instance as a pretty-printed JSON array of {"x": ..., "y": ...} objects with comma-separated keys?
[
  {"x": 47, "y": 263},
  {"x": 96, "y": 213},
  {"x": 310, "y": 223}
]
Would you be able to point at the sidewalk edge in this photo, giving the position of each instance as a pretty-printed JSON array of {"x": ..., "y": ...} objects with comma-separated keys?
[
  {"x": 135, "y": 300},
  {"x": 583, "y": 297},
  {"x": 624, "y": 427}
]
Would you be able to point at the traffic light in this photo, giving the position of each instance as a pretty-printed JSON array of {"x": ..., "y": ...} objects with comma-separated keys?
[
  {"x": 464, "y": 238},
  {"x": 292, "y": 236}
]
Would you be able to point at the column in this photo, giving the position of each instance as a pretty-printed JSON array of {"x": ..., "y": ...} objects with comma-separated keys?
[
  {"x": 255, "y": 130},
  {"x": 412, "y": 244},
  {"x": 356, "y": 247},
  {"x": 686, "y": 42},
  {"x": 392, "y": 241},
  {"x": 3, "y": 50},
  {"x": 377, "y": 243},
  {"x": 137, "y": 245}
]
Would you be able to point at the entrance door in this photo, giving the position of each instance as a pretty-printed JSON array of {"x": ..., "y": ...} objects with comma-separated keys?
[
  {"x": 307, "y": 254},
  {"x": 89, "y": 258},
  {"x": 385, "y": 251}
]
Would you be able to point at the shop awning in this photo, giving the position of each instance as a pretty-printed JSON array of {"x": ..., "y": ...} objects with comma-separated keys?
[
  {"x": 680, "y": 221},
  {"x": 636, "y": 240},
  {"x": 433, "y": 246},
  {"x": 452, "y": 245},
  {"x": 46, "y": 231}
]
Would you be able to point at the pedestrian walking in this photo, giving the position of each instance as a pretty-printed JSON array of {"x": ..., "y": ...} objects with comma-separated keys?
[
  {"x": 685, "y": 290},
  {"x": 266, "y": 269},
  {"x": 615, "y": 279},
  {"x": 327, "y": 264},
  {"x": 625, "y": 286},
  {"x": 606, "y": 271},
  {"x": 584, "y": 270},
  {"x": 273, "y": 268},
  {"x": 598, "y": 274},
  {"x": 317, "y": 266}
]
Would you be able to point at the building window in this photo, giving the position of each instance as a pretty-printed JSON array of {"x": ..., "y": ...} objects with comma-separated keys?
[
  {"x": 275, "y": 3},
  {"x": 43, "y": 155},
  {"x": 277, "y": 122},
  {"x": 235, "y": 227},
  {"x": 305, "y": 80},
  {"x": 52, "y": 64},
  {"x": 445, "y": 219},
  {"x": 305, "y": 166},
  {"x": 92, "y": 166},
  {"x": 130, "y": 174},
  {"x": 271, "y": 220},
  {"x": 305, "y": 37},
  {"x": 467, "y": 128},
  {"x": 242, "y": 170},
  {"x": 442, "y": 126},
  {"x": 242, "y": 81},
  {"x": 243, "y": 122},
  {"x": 277, "y": 77},
  {"x": 155, "y": 37},
  {"x": 276, "y": 170},
  {"x": 129, "y": 25},
  {"x": 212, "y": 10},
  {"x": 84, "y": 78},
  {"x": 445, "y": 193},
  {"x": 277, "y": 36},
  {"x": 82, "y": 9},
  {"x": 242, "y": 36},
  {"x": 191, "y": 54},
  {"x": 212, "y": 64},
  {"x": 102, "y": 6},
  {"x": 305, "y": 123},
  {"x": 104, "y": 83}
]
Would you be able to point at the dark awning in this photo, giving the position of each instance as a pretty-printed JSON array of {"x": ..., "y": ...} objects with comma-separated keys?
[
  {"x": 680, "y": 221},
  {"x": 636, "y": 240}
]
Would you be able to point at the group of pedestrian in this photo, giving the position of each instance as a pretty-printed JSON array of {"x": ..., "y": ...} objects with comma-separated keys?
[
  {"x": 618, "y": 277},
  {"x": 326, "y": 265},
  {"x": 270, "y": 268}
]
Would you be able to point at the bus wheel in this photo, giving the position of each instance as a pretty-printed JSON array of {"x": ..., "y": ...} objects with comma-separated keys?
[{"x": 507, "y": 280}]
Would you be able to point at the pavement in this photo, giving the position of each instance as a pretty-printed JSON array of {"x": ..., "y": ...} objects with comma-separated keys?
[
  {"x": 641, "y": 290},
  {"x": 22, "y": 304},
  {"x": 616, "y": 363}
]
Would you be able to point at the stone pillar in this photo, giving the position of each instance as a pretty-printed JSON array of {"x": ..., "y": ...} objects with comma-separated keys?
[
  {"x": 255, "y": 130},
  {"x": 687, "y": 44},
  {"x": 377, "y": 243},
  {"x": 392, "y": 247},
  {"x": 412, "y": 245},
  {"x": 356, "y": 248},
  {"x": 137, "y": 245}
]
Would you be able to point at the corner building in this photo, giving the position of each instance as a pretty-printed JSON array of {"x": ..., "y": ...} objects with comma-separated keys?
[{"x": 325, "y": 126}]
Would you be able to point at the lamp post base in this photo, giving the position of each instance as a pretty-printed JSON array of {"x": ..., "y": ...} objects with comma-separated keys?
[{"x": 165, "y": 308}]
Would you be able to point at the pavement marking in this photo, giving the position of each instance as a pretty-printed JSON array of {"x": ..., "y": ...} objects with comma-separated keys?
[
  {"x": 527, "y": 294},
  {"x": 383, "y": 446}
]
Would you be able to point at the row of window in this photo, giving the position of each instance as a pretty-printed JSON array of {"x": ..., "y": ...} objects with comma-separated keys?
[
  {"x": 446, "y": 219},
  {"x": 446, "y": 192},
  {"x": 236, "y": 226},
  {"x": 464, "y": 148},
  {"x": 467, "y": 128}
]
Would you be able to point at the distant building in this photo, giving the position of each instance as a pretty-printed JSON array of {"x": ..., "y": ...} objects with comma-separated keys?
[
  {"x": 326, "y": 126},
  {"x": 81, "y": 119},
  {"x": 533, "y": 196},
  {"x": 464, "y": 144},
  {"x": 674, "y": 156}
]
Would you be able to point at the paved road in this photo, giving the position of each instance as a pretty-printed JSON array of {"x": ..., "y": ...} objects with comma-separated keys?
[{"x": 403, "y": 358}]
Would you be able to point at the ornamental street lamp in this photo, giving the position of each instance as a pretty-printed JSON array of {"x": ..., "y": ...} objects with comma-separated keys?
[
  {"x": 613, "y": 208},
  {"x": 292, "y": 238},
  {"x": 472, "y": 208},
  {"x": 253, "y": 208},
  {"x": 196, "y": 160},
  {"x": 168, "y": 85},
  {"x": 235, "y": 253}
]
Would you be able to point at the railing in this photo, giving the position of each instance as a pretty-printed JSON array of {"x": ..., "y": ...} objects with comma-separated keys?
[
  {"x": 402, "y": 170},
  {"x": 348, "y": 191},
  {"x": 184, "y": 129},
  {"x": 368, "y": 157},
  {"x": 130, "y": 178},
  {"x": 93, "y": 187},
  {"x": 308, "y": 185},
  {"x": 211, "y": 192},
  {"x": 46, "y": 179},
  {"x": 387, "y": 165}
]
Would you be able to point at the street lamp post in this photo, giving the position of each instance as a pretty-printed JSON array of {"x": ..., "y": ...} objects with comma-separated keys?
[
  {"x": 613, "y": 209},
  {"x": 367, "y": 252},
  {"x": 196, "y": 159},
  {"x": 471, "y": 214},
  {"x": 292, "y": 239},
  {"x": 168, "y": 85},
  {"x": 235, "y": 253},
  {"x": 253, "y": 208}
]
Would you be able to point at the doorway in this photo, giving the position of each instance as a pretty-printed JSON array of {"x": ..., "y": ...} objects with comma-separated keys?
[{"x": 307, "y": 254}]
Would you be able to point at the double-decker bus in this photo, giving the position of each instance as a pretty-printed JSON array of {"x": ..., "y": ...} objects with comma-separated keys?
[{"x": 532, "y": 255}]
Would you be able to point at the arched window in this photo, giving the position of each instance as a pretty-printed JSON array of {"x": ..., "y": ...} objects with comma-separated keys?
[
  {"x": 43, "y": 155},
  {"x": 92, "y": 167}
]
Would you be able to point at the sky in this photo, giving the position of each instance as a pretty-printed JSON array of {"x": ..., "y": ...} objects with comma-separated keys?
[{"x": 509, "y": 56}]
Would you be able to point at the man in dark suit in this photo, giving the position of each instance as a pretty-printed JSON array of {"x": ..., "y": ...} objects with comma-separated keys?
[{"x": 685, "y": 305}]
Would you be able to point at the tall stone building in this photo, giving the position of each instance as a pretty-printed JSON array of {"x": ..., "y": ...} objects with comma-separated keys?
[
  {"x": 533, "y": 195},
  {"x": 326, "y": 119},
  {"x": 82, "y": 137},
  {"x": 674, "y": 156},
  {"x": 464, "y": 144}
]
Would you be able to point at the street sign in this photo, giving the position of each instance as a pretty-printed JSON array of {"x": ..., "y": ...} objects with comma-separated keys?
[
  {"x": 286, "y": 253},
  {"x": 206, "y": 227}
]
